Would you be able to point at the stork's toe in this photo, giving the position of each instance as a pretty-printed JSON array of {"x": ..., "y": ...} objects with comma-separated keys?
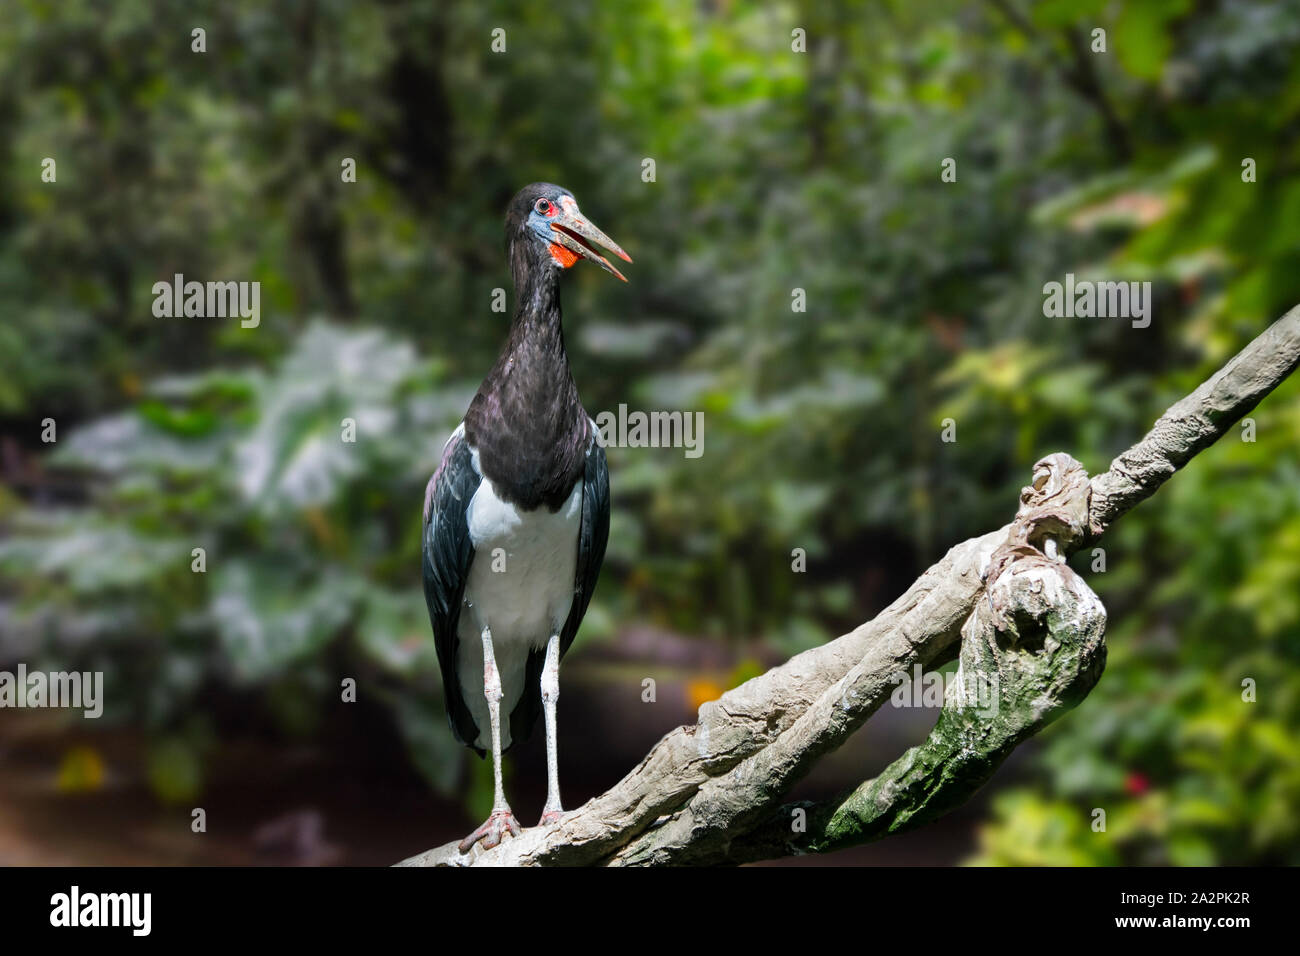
[
  {"x": 496, "y": 826},
  {"x": 550, "y": 817}
]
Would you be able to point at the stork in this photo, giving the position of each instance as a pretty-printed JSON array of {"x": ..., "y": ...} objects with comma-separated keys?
[{"x": 517, "y": 515}]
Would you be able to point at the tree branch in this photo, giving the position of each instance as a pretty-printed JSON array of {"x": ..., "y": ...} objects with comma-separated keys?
[
  {"x": 1198, "y": 421},
  {"x": 710, "y": 792},
  {"x": 1030, "y": 652}
]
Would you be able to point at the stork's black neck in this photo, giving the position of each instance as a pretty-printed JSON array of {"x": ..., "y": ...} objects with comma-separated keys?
[{"x": 526, "y": 421}]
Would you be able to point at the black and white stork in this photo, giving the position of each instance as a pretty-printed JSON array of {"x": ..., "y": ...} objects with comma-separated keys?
[{"x": 517, "y": 515}]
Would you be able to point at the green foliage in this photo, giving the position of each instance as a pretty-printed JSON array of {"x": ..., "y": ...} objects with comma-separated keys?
[
  {"x": 306, "y": 541},
  {"x": 775, "y": 171}
]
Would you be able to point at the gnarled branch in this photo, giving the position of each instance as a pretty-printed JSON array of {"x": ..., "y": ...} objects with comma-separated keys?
[{"x": 710, "y": 793}]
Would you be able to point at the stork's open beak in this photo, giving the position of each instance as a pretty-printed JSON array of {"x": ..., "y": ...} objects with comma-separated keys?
[{"x": 575, "y": 233}]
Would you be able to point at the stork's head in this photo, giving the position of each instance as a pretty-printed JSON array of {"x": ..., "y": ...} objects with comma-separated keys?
[{"x": 546, "y": 220}]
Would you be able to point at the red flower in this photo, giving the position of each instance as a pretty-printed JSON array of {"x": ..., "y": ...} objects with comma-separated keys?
[{"x": 1135, "y": 784}]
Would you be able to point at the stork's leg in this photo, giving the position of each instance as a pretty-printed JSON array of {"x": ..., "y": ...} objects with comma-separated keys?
[
  {"x": 550, "y": 694},
  {"x": 500, "y": 820}
]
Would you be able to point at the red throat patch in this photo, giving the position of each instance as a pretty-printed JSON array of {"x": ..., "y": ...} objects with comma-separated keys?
[{"x": 562, "y": 256}]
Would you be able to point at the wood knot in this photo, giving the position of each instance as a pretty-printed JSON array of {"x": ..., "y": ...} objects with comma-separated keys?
[
  {"x": 1053, "y": 513},
  {"x": 1052, "y": 517}
]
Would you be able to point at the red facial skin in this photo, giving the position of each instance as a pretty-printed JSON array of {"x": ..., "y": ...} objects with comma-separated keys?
[{"x": 563, "y": 257}]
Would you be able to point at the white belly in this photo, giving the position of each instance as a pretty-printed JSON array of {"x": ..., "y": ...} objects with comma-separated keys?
[{"x": 520, "y": 587}]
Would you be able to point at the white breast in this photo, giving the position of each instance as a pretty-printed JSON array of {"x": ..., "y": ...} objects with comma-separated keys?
[{"x": 520, "y": 586}]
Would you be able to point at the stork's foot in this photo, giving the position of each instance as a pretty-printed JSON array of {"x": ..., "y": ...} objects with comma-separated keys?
[
  {"x": 549, "y": 817},
  {"x": 497, "y": 825}
]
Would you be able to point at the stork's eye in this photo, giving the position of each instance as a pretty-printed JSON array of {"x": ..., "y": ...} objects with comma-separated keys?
[{"x": 543, "y": 206}]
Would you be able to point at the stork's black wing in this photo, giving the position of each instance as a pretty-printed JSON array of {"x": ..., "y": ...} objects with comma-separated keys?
[
  {"x": 592, "y": 538},
  {"x": 593, "y": 535},
  {"x": 448, "y": 554}
]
